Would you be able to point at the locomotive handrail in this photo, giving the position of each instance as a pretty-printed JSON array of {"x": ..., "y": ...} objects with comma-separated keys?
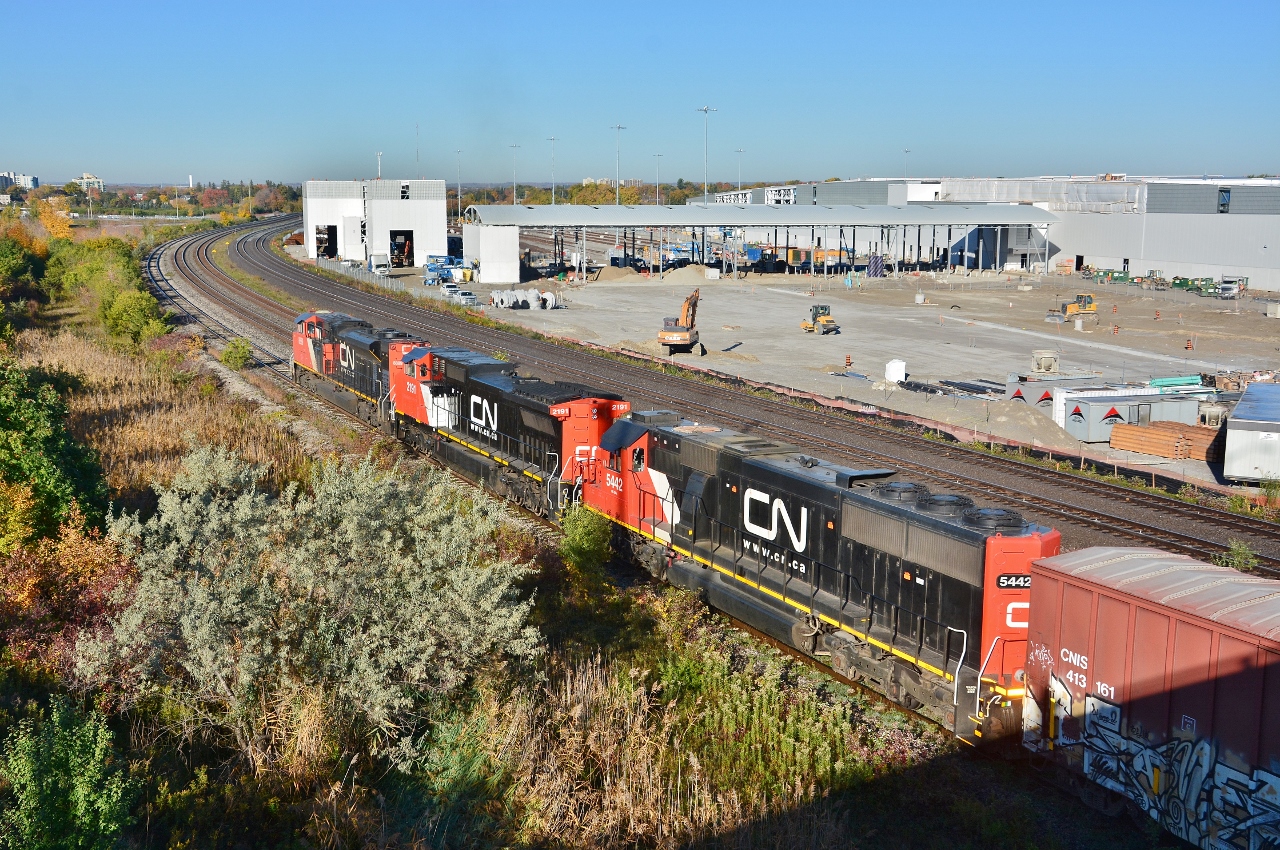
[
  {"x": 964, "y": 649},
  {"x": 977, "y": 699}
]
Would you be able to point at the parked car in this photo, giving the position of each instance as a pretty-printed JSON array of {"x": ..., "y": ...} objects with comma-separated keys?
[{"x": 466, "y": 298}]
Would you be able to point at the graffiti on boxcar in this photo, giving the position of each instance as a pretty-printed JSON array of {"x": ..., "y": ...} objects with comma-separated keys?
[{"x": 1181, "y": 783}]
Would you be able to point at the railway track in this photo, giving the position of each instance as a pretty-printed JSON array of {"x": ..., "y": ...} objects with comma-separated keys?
[{"x": 1054, "y": 497}]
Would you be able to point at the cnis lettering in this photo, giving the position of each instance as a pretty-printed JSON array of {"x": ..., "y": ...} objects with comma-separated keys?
[{"x": 1075, "y": 659}]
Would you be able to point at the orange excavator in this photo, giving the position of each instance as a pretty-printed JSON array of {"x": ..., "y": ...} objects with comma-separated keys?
[{"x": 679, "y": 333}]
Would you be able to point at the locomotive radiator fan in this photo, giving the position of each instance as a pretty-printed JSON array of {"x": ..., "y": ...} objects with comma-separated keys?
[
  {"x": 944, "y": 504},
  {"x": 994, "y": 518},
  {"x": 902, "y": 491}
]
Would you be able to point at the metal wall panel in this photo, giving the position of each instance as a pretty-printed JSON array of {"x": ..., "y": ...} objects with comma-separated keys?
[
  {"x": 334, "y": 189},
  {"x": 951, "y": 557},
  {"x": 849, "y": 192},
  {"x": 1182, "y": 198},
  {"x": 872, "y": 529},
  {"x": 698, "y": 456},
  {"x": 1252, "y": 455},
  {"x": 1255, "y": 200}
]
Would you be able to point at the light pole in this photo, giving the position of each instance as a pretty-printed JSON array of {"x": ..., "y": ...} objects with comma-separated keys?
[
  {"x": 514, "y": 148},
  {"x": 379, "y": 165},
  {"x": 905, "y": 168},
  {"x": 457, "y": 159},
  {"x": 552, "y": 140},
  {"x": 657, "y": 184},
  {"x": 706, "y": 118},
  {"x": 617, "y": 166},
  {"x": 739, "y": 153}
]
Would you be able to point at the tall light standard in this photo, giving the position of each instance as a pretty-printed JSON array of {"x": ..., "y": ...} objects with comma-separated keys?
[
  {"x": 657, "y": 184},
  {"x": 617, "y": 165},
  {"x": 379, "y": 165},
  {"x": 457, "y": 158},
  {"x": 514, "y": 148},
  {"x": 739, "y": 153},
  {"x": 552, "y": 140},
  {"x": 706, "y": 118}
]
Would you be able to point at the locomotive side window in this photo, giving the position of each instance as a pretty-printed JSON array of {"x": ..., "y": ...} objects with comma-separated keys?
[
  {"x": 614, "y": 462},
  {"x": 637, "y": 460}
]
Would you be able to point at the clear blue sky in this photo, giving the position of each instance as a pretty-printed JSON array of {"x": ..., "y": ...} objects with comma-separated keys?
[{"x": 151, "y": 92}]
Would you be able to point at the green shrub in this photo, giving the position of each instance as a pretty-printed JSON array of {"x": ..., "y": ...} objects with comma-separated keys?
[
  {"x": 68, "y": 785},
  {"x": 237, "y": 354},
  {"x": 1238, "y": 556},
  {"x": 331, "y": 616},
  {"x": 37, "y": 452},
  {"x": 586, "y": 540},
  {"x": 135, "y": 314}
]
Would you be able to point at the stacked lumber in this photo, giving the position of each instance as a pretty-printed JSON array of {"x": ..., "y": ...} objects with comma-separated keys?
[{"x": 1171, "y": 439}]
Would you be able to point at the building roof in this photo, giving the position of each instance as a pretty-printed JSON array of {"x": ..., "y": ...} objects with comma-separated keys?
[
  {"x": 1218, "y": 594},
  {"x": 1260, "y": 403},
  {"x": 758, "y": 215}
]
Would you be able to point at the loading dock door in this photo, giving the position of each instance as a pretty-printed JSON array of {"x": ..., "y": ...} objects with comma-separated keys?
[
  {"x": 1079, "y": 262},
  {"x": 402, "y": 248},
  {"x": 327, "y": 240}
]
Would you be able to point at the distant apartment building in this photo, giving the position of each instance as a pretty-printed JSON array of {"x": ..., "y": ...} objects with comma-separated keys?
[
  {"x": 22, "y": 181},
  {"x": 89, "y": 181}
]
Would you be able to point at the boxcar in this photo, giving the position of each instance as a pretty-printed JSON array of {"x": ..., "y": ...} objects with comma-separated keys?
[{"x": 1153, "y": 681}]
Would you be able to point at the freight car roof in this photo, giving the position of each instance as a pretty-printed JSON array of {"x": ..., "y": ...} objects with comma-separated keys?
[{"x": 1219, "y": 594}]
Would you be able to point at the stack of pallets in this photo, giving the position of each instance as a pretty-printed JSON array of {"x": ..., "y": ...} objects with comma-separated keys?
[{"x": 1172, "y": 440}]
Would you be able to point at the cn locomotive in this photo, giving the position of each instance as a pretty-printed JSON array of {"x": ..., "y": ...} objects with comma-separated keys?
[{"x": 968, "y": 614}]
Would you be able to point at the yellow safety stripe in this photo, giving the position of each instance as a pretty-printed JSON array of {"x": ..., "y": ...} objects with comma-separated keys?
[
  {"x": 1002, "y": 691},
  {"x": 481, "y": 451},
  {"x": 860, "y": 635}
]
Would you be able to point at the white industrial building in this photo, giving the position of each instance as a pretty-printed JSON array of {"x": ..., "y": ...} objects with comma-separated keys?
[
  {"x": 352, "y": 219},
  {"x": 1179, "y": 226}
]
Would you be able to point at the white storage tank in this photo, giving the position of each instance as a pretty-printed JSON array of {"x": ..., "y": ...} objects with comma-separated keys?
[{"x": 1253, "y": 435}]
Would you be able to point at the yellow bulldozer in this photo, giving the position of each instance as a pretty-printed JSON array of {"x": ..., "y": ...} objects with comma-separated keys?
[
  {"x": 820, "y": 321},
  {"x": 1084, "y": 305},
  {"x": 679, "y": 332}
]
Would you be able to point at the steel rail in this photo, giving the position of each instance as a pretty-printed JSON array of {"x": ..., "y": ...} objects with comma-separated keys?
[{"x": 251, "y": 251}]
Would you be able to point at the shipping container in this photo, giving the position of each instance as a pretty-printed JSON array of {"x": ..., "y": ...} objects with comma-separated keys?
[
  {"x": 1090, "y": 419},
  {"x": 1253, "y": 435},
  {"x": 1157, "y": 677}
]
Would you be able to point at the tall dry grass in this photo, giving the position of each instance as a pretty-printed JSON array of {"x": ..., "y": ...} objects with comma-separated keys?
[{"x": 141, "y": 414}]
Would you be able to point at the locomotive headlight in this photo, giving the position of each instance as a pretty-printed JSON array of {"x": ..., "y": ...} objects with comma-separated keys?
[{"x": 1020, "y": 675}]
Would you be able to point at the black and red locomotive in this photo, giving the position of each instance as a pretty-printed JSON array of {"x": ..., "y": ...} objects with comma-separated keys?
[{"x": 924, "y": 596}]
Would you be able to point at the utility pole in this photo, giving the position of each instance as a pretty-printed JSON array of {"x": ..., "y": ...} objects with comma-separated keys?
[
  {"x": 739, "y": 153},
  {"x": 706, "y": 118},
  {"x": 657, "y": 184},
  {"x": 417, "y": 161},
  {"x": 514, "y": 148},
  {"x": 617, "y": 164},
  {"x": 457, "y": 159},
  {"x": 379, "y": 165},
  {"x": 905, "y": 168},
  {"x": 552, "y": 140}
]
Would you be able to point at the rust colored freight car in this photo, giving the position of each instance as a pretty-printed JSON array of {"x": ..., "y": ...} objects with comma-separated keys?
[{"x": 1153, "y": 682}]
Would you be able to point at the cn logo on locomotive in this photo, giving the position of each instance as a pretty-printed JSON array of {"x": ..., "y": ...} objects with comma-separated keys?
[
  {"x": 778, "y": 512},
  {"x": 347, "y": 356},
  {"x": 487, "y": 420}
]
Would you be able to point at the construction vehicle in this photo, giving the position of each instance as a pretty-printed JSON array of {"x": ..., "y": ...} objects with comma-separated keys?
[
  {"x": 679, "y": 332},
  {"x": 820, "y": 321},
  {"x": 1084, "y": 305}
]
